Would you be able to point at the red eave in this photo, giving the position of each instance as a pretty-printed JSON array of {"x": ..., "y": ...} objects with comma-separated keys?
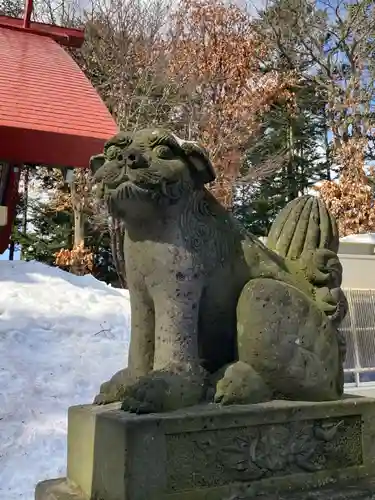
[
  {"x": 49, "y": 112},
  {"x": 71, "y": 37}
]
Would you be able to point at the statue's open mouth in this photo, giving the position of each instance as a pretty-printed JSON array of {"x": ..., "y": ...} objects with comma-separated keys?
[
  {"x": 101, "y": 186},
  {"x": 150, "y": 187},
  {"x": 162, "y": 187}
]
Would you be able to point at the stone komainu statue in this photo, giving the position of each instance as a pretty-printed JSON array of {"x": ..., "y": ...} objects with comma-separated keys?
[{"x": 215, "y": 314}]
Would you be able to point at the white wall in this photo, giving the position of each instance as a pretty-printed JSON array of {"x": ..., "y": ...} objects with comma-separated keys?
[
  {"x": 358, "y": 271},
  {"x": 358, "y": 262}
]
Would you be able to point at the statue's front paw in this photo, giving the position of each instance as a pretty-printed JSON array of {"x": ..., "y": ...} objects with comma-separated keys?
[
  {"x": 104, "y": 399},
  {"x": 164, "y": 391},
  {"x": 241, "y": 384},
  {"x": 113, "y": 390}
]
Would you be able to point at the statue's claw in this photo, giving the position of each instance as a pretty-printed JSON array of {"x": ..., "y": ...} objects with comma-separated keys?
[
  {"x": 164, "y": 391},
  {"x": 104, "y": 399},
  {"x": 113, "y": 389}
]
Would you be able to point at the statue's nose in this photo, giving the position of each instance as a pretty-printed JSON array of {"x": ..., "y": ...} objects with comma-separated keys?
[{"x": 134, "y": 159}]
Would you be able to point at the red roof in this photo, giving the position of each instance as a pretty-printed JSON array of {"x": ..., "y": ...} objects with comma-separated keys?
[{"x": 49, "y": 112}]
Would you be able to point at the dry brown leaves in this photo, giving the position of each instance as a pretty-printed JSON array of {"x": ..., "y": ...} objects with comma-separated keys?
[
  {"x": 217, "y": 53},
  {"x": 78, "y": 194},
  {"x": 351, "y": 199},
  {"x": 78, "y": 261}
]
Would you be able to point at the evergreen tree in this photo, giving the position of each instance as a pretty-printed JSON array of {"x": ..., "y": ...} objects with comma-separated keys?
[
  {"x": 296, "y": 136},
  {"x": 336, "y": 40},
  {"x": 48, "y": 230},
  {"x": 44, "y": 229}
]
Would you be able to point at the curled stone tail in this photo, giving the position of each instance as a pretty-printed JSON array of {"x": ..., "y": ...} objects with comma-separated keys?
[{"x": 305, "y": 234}]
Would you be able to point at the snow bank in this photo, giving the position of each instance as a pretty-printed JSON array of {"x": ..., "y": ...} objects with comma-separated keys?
[{"x": 60, "y": 337}]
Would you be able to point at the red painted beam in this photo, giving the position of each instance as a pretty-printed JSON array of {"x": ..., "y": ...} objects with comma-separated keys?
[
  {"x": 28, "y": 12},
  {"x": 56, "y": 149},
  {"x": 69, "y": 37}
]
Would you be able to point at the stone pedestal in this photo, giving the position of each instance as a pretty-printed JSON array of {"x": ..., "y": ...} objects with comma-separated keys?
[{"x": 215, "y": 453}]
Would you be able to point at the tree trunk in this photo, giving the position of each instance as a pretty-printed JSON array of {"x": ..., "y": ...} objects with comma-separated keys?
[
  {"x": 77, "y": 267},
  {"x": 11, "y": 250},
  {"x": 79, "y": 225},
  {"x": 326, "y": 146},
  {"x": 79, "y": 218},
  {"x": 291, "y": 174},
  {"x": 26, "y": 202}
]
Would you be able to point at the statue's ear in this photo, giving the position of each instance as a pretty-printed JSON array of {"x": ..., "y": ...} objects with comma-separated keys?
[
  {"x": 96, "y": 162},
  {"x": 203, "y": 170}
]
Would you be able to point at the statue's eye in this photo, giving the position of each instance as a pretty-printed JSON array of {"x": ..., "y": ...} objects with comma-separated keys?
[
  {"x": 113, "y": 153},
  {"x": 163, "y": 152}
]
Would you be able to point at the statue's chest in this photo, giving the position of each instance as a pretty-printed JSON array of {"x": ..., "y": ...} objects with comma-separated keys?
[{"x": 161, "y": 261}]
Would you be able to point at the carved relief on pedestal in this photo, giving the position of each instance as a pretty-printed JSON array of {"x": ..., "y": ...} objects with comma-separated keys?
[{"x": 246, "y": 454}]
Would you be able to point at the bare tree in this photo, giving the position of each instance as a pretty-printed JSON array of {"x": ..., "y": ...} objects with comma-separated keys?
[
  {"x": 12, "y": 8},
  {"x": 336, "y": 46},
  {"x": 216, "y": 51},
  {"x": 123, "y": 57}
]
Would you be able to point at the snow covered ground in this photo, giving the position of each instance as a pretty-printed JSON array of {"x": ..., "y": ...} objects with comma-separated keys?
[{"x": 60, "y": 337}]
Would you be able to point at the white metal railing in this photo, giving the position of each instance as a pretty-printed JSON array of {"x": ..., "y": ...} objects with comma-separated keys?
[{"x": 359, "y": 330}]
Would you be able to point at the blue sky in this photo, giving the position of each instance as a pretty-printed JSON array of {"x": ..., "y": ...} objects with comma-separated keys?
[{"x": 5, "y": 255}]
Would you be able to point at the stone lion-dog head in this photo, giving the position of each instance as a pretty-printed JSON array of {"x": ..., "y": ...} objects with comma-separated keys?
[{"x": 151, "y": 168}]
